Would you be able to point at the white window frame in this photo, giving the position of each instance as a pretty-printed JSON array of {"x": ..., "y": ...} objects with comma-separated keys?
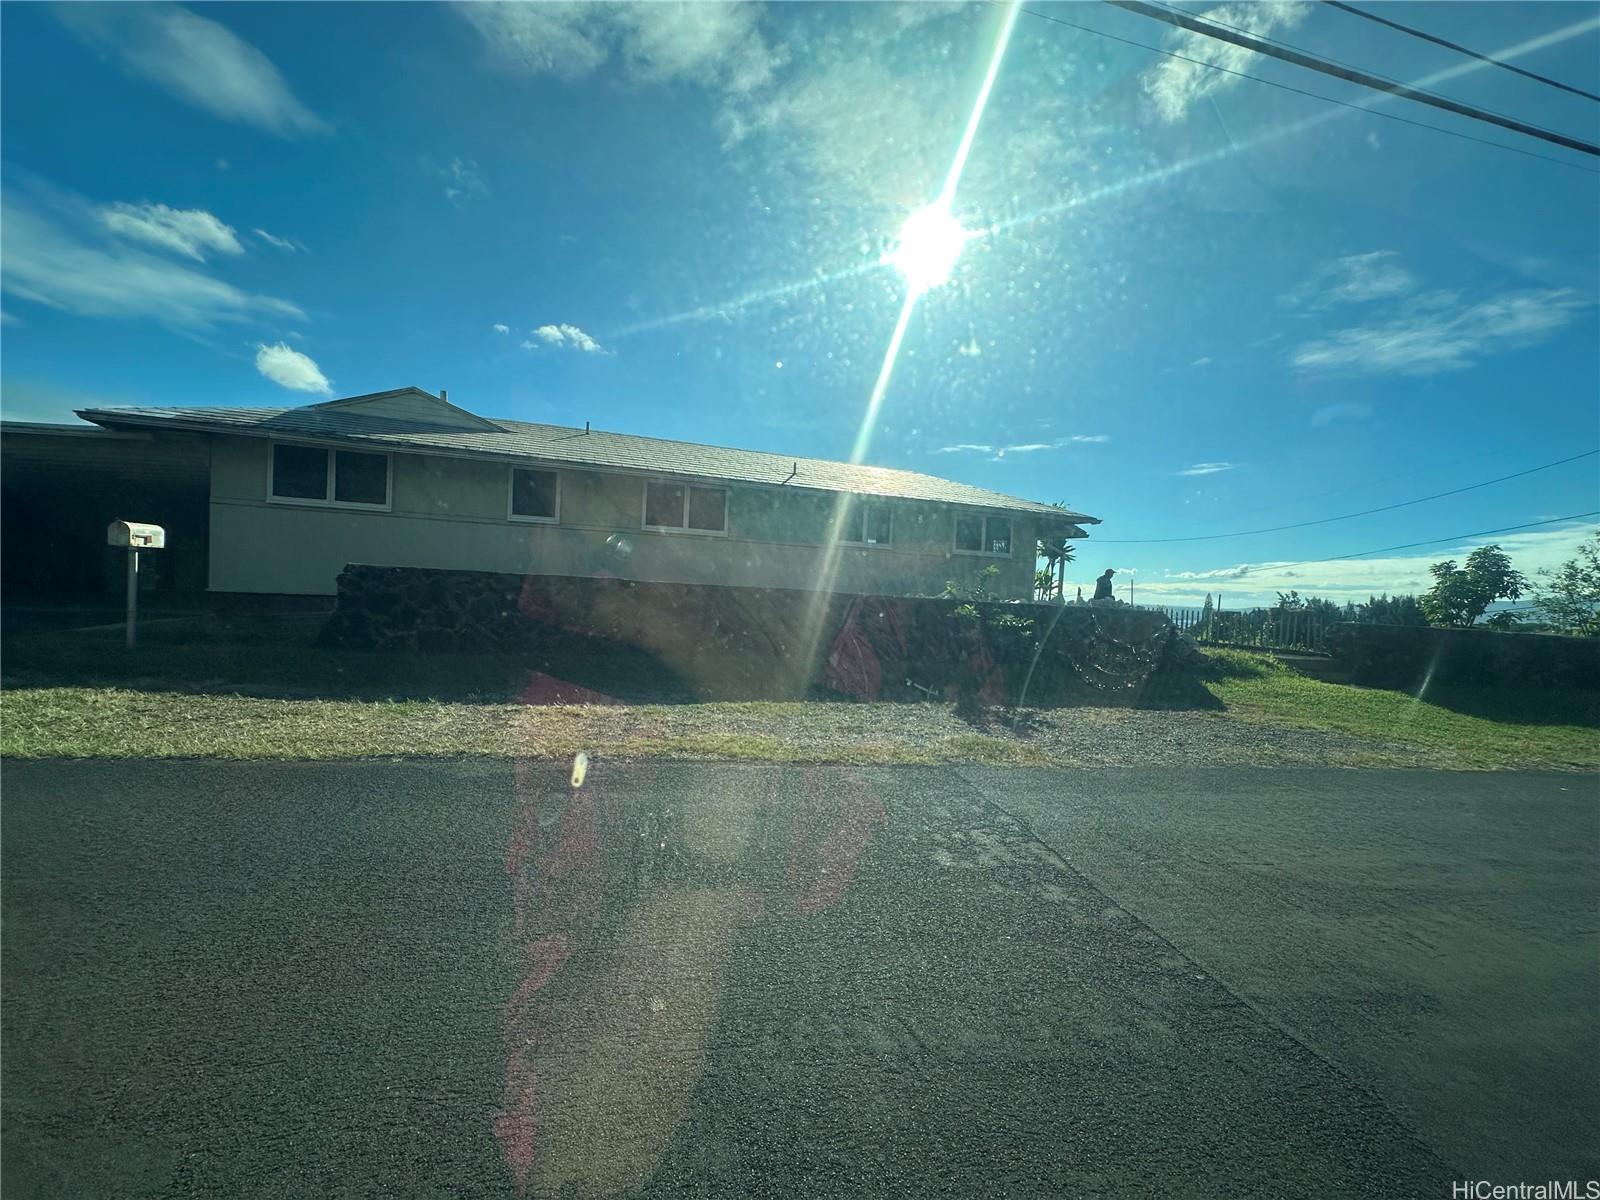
[
  {"x": 984, "y": 540},
  {"x": 862, "y": 506},
  {"x": 328, "y": 484},
  {"x": 644, "y": 508},
  {"x": 511, "y": 497}
]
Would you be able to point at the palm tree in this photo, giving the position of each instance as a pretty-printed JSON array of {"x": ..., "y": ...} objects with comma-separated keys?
[{"x": 1057, "y": 552}]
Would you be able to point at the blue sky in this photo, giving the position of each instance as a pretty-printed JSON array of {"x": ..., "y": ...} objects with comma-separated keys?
[{"x": 1194, "y": 304}]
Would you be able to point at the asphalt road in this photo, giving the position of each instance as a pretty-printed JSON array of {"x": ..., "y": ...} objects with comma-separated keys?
[{"x": 464, "y": 978}]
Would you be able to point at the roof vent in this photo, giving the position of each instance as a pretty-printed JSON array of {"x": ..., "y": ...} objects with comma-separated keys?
[{"x": 444, "y": 395}]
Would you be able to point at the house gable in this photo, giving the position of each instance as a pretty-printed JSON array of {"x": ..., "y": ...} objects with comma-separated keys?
[{"x": 412, "y": 408}]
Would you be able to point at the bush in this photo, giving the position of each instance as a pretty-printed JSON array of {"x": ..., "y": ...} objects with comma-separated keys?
[{"x": 1408, "y": 657}]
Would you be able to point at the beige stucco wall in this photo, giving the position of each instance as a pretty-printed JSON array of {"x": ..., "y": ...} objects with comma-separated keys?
[{"x": 452, "y": 514}]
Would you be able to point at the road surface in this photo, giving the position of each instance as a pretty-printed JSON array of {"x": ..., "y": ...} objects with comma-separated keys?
[{"x": 410, "y": 978}]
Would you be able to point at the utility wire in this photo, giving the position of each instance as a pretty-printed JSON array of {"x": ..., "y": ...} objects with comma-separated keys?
[
  {"x": 1284, "y": 87},
  {"x": 1363, "y": 78},
  {"x": 1267, "y": 568},
  {"x": 1210, "y": 18},
  {"x": 1366, "y": 512},
  {"x": 1459, "y": 49}
]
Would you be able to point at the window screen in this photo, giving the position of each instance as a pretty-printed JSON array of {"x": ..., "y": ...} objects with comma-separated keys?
[
  {"x": 969, "y": 534},
  {"x": 997, "y": 537},
  {"x": 360, "y": 478},
  {"x": 708, "y": 509},
  {"x": 663, "y": 505},
  {"x": 533, "y": 494},
  {"x": 300, "y": 472}
]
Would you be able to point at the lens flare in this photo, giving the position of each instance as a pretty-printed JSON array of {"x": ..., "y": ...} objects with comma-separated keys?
[{"x": 930, "y": 243}]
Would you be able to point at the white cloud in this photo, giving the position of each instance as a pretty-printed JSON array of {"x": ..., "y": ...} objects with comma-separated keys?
[
  {"x": 870, "y": 105},
  {"x": 1357, "y": 578},
  {"x": 287, "y": 367},
  {"x": 1203, "y": 361},
  {"x": 832, "y": 111},
  {"x": 282, "y": 243},
  {"x": 1353, "y": 279},
  {"x": 196, "y": 59},
  {"x": 501, "y": 328},
  {"x": 462, "y": 181},
  {"x": 711, "y": 44},
  {"x": 1174, "y": 84},
  {"x": 1209, "y": 468},
  {"x": 564, "y": 336},
  {"x": 49, "y": 263},
  {"x": 1000, "y": 452},
  {"x": 190, "y": 232},
  {"x": 1438, "y": 331}
]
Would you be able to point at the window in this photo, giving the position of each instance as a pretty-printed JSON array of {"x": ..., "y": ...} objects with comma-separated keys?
[
  {"x": 983, "y": 535},
  {"x": 708, "y": 509},
  {"x": 869, "y": 524},
  {"x": 360, "y": 478},
  {"x": 684, "y": 506},
  {"x": 312, "y": 475},
  {"x": 300, "y": 472},
  {"x": 535, "y": 495}
]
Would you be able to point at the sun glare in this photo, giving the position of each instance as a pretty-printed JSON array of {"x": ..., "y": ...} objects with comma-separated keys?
[{"x": 930, "y": 242}]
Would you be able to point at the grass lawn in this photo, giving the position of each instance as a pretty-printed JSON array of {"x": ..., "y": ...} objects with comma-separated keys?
[
  {"x": 121, "y": 723},
  {"x": 266, "y": 692},
  {"x": 1484, "y": 728}
]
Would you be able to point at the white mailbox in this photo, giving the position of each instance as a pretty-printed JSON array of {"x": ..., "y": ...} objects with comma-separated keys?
[{"x": 136, "y": 536}]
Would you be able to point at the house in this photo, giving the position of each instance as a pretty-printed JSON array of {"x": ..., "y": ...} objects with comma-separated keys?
[{"x": 405, "y": 478}]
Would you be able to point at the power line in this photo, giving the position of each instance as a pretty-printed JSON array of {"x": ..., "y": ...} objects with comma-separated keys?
[
  {"x": 1366, "y": 512},
  {"x": 1284, "y": 87},
  {"x": 1459, "y": 49},
  {"x": 1210, "y": 18},
  {"x": 1429, "y": 542},
  {"x": 1363, "y": 78}
]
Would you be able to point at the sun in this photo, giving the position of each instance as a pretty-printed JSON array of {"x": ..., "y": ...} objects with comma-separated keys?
[{"x": 930, "y": 242}]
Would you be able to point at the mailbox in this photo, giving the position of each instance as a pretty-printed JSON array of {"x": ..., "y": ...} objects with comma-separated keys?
[{"x": 136, "y": 536}]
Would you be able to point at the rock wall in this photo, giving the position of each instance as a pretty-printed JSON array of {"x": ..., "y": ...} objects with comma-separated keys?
[{"x": 768, "y": 643}]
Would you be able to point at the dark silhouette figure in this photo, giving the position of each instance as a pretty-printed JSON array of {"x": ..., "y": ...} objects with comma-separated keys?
[{"x": 1102, "y": 586}]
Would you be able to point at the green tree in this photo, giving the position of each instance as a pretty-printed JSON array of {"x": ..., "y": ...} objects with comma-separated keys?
[
  {"x": 1460, "y": 595},
  {"x": 1390, "y": 610},
  {"x": 1569, "y": 596},
  {"x": 1290, "y": 601},
  {"x": 1326, "y": 611}
]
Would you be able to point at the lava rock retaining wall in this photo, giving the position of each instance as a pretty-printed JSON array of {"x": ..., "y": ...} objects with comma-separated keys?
[{"x": 769, "y": 643}]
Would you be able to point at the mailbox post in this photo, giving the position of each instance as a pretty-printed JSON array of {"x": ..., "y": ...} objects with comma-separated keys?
[{"x": 135, "y": 537}]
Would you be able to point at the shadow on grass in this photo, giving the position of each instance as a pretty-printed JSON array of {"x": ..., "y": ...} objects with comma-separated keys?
[
  {"x": 1510, "y": 705},
  {"x": 277, "y": 657},
  {"x": 1519, "y": 706}
]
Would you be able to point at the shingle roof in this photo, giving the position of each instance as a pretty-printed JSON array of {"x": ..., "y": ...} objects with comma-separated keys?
[{"x": 524, "y": 441}]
